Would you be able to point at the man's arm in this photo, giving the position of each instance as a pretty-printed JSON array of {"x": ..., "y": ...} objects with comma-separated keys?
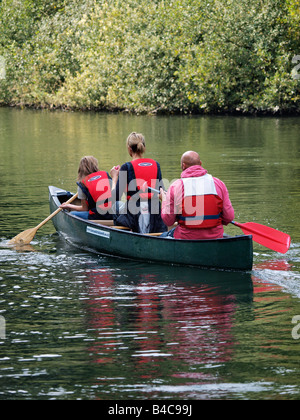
[
  {"x": 168, "y": 214},
  {"x": 228, "y": 210}
]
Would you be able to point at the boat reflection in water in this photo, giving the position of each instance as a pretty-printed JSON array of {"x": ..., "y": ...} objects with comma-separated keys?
[{"x": 149, "y": 318}]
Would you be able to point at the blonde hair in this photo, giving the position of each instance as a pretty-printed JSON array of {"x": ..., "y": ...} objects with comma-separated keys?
[
  {"x": 136, "y": 142},
  {"x": 88, "y": 165}
]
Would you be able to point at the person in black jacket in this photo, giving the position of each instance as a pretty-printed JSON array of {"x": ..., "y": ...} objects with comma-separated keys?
[{"x": 141, "y": 212}]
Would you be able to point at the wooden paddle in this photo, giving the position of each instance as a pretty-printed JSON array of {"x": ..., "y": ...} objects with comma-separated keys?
[
  {"x": 266, "y": 236},
  {"x": 27, "y": 236},
  {"x": 145, "y": 186}
]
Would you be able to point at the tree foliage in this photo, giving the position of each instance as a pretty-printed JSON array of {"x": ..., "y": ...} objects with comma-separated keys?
[{"x": 159, "y": 56}]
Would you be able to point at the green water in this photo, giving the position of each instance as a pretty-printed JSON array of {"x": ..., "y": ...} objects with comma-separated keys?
[{"x": 75, "y": 325}]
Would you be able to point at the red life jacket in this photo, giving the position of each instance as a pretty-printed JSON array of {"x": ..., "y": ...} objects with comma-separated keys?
[
  {"x": 145, "y": 172},
  {"x": 97, "y": 187},
  {"x": 201, "y": 205}
]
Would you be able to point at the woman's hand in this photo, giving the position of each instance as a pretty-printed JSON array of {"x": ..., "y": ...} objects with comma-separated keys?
[
  {"x": 64, "y": 206},
  {"x": 114, "y": 172},
  {"x": 162, "y": 195}
]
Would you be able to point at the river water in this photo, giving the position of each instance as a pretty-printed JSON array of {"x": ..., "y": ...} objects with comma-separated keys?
[{"x": 75, "y": 325}]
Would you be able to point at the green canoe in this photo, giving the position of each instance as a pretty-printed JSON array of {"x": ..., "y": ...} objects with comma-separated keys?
[{"x": 228, "y": 253}]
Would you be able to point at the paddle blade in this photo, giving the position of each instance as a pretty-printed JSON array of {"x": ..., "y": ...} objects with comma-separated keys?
[
  {"x": 266, "y": 236},
  {"x": 24, "y": 238}
]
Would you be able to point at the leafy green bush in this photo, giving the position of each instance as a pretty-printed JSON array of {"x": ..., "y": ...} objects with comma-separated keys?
[{"x": 159, "y": 56}]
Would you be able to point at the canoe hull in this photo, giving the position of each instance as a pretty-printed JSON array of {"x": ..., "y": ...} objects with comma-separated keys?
[{"x": 234, "y": 253}]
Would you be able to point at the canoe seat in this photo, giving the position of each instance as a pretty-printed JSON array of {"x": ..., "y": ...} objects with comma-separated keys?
[
  {"x": 109, "y": 223},
  {"x": 103, "y": 222}
]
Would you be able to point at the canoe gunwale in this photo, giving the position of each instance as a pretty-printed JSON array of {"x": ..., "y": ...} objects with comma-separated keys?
[{"x": 124, "y": 231}]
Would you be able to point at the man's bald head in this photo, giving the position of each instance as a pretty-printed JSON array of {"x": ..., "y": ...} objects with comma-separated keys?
[{"x": 190, "y": 158}]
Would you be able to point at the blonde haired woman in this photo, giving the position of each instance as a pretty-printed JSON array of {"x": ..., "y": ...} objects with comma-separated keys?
[
  {"x": 141, "y": 212},
  {"x": 94, "y": 191}
]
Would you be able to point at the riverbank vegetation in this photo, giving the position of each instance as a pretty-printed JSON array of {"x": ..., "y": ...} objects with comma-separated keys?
[{"x": 186, "y": 56}]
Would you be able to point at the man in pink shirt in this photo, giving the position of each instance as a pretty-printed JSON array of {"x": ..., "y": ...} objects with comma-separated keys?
[{"x": 197, "y": 201}]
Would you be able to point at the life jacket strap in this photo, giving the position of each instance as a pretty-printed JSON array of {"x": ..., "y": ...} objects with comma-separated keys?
[{"x": 196, "y": 218}]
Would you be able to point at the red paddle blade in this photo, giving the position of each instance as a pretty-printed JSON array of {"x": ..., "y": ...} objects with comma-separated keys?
[{"x": 266, "y": 236}]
